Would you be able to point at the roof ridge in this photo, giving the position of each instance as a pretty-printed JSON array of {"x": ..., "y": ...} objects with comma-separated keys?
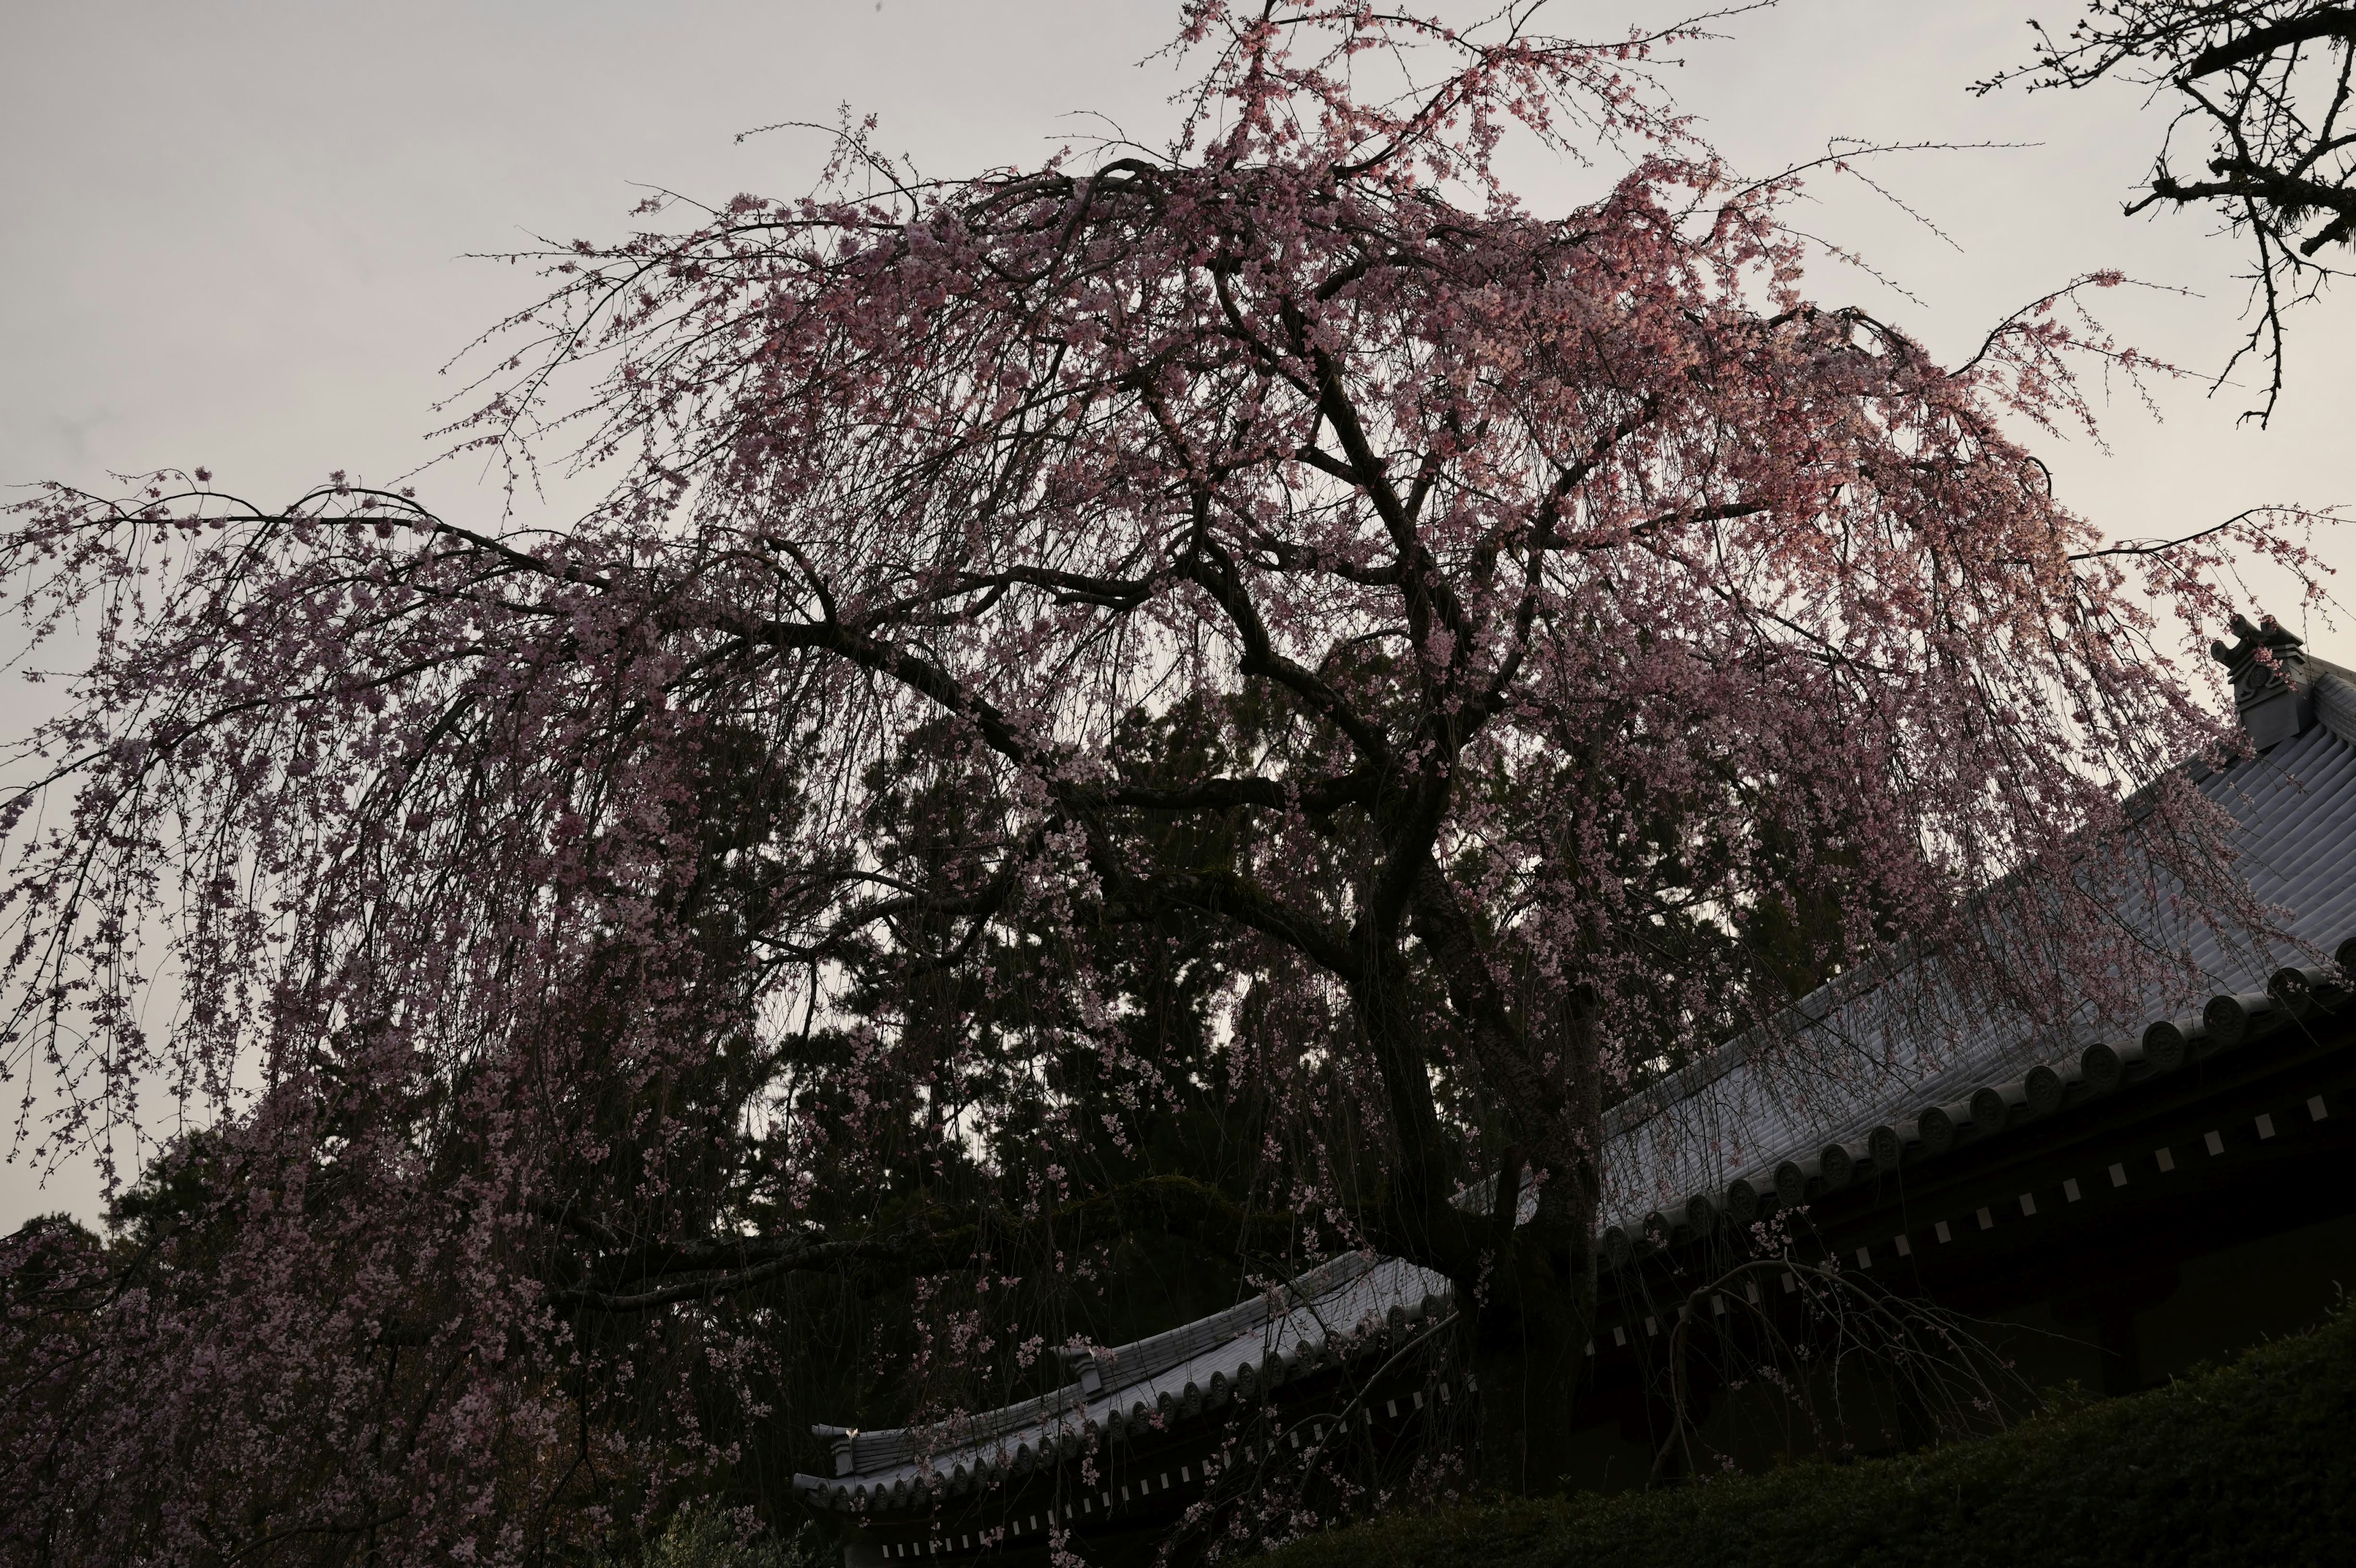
[
  {"x": 1138, "y": 1362},
  {"x": 2334, "y": 696}
]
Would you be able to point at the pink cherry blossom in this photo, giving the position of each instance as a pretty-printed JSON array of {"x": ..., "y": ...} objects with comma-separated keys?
[{"x": 1272, "y": 637}]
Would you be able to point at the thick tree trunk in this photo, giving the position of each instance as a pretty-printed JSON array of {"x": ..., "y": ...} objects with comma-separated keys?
[
  {"x": 1532, "y": 1285},
  {"x": 1530, "y": 1341},
  {"x": 1529, "y": 1353}
]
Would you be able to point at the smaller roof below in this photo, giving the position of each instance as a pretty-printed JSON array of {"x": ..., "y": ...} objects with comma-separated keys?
[{"x": 1321, "y": 1317}]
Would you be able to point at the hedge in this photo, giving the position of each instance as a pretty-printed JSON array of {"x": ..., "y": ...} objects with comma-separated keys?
[{"x": 2254, "y": 1462}]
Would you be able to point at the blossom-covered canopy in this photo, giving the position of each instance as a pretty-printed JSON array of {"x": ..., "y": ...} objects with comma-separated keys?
[{"x": 1203, "y": 698}]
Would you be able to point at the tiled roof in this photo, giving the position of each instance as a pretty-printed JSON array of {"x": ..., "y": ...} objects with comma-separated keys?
[
  {"x": 1339, "y": 1310},
  {"x": 1865, "y": 1058}
]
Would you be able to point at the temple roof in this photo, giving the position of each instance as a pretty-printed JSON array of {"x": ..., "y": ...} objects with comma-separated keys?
[
  {"x": 1341, "y": 1310},
  {"x": 1870, "y": 1057}
]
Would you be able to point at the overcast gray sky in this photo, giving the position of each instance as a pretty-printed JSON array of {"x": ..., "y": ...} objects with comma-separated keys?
[{"x": 238, "y": 235}]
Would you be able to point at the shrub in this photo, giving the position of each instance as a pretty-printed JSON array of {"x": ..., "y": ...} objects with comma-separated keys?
[
  {"x": 2250, "y": 1463},
  {"x": 705, "y": 1535}
]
